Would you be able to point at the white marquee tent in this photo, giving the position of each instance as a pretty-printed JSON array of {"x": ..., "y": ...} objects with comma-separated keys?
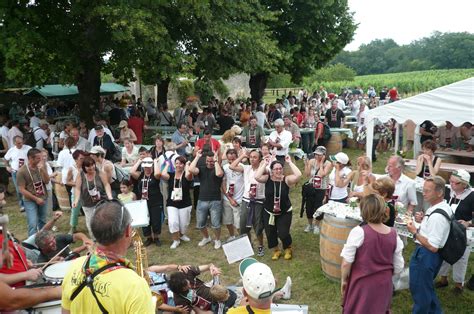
[{"x": 454, "y": 103}]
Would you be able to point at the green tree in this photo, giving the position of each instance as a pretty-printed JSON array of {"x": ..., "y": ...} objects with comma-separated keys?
[
  {"x": 309, "y": 34},
  {"x": 72, "y": 41},
  {"x": 210, "y": 39}
]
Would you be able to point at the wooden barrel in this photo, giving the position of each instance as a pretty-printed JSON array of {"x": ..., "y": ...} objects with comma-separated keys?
[
  {"x": 334, "y": 145},
  {"x": 334, "y": 233},
  {"x": 61, "y": 194}
]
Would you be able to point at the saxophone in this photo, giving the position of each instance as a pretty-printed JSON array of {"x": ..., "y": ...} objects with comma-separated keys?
[{"x": 141, "y": 264}]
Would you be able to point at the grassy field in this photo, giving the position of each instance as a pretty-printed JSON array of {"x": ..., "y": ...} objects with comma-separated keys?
[{"x": 310, "y": 286}]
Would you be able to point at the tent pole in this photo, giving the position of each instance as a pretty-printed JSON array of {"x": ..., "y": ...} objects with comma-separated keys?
[
  {"x": 369, "y": 138},
  {"x": 397, "y": 138}
]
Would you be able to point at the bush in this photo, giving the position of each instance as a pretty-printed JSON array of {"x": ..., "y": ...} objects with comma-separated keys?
[
  {"x": 333, "y": 73},
  {"x": 185, "y": 89},
  {"x": 221, "y": 89},
  {"x": 280, "y": 80},
  {"x": 204, "y": 91}
]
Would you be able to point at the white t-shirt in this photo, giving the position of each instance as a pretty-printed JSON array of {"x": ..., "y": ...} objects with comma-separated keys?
[
  {"x": 49, "y": 170},
  {"x": 34, "y": 122},
  {"x": 261, "y": 118},
  {"x": 4, "y": 134},
  {"x": 355, "y": 241},
  {"x": 237, "y": 179},
  {"x": 14, "y": 131},
  {"x": 14, "y": 155},
  {"x": 405, "y": 190},
  {"x": 362, "y": 119},
  {"x": 435, "y": 227},
  {"x": 65, "y": 161},
  {"x": 338, "y": 193},
  {"x": 355, "y": 107},
  {"x": 284, "y": 139},
  {"x": 130, "y": 158},
  {"x": 249, "y": 178},
  {"x": 40, "y": 137},
  {"x": 341, "y": 104}
]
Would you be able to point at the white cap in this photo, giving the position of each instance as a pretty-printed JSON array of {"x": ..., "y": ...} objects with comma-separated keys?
[
  {"x": 340, "y": 158},
  {"x": 257, "y": 278},
  {"x": 147, "y": 162},
  {"x": 97, "y": 150}
]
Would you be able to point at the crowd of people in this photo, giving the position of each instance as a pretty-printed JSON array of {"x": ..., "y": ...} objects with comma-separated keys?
[{"x": 241, "y": 181}]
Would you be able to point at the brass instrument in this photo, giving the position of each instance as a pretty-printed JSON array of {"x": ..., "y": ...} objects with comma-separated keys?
[{"x": 141, "y": 264}]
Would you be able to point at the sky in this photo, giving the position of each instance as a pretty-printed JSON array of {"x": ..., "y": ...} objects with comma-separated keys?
[{"x": 408, "y": 20}]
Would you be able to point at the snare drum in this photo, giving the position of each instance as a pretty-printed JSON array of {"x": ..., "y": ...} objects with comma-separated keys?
[
  {"x": 51, "y": 307},
  {"x": 55, "y": 273}
]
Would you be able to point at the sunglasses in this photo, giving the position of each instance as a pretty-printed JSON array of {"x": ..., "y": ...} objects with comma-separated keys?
[{"x": 114, "y": 200}]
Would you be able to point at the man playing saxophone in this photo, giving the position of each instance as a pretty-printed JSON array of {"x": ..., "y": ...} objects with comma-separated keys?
[{"x": 105, "y": 281}]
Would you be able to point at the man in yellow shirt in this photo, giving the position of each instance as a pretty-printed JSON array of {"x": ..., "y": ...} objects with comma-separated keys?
[
  {"x": 112, "y": 285},
  {"x": 259, "y": 287}
]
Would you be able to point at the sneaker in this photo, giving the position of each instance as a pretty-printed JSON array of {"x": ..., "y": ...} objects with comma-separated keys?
[
  {"x": 276, "y": 254},
  {"x": 286, "y": 289},
  {"x": 260, "y": 251},
  {"x": 204, "y": 241},
  {"x": 217, "y": 244},
  {"x": 157, "y": 242},
  {"x": 185, "y": 238},
  {"x": 288, "y": 253},
  {"x": 175, "y": 244},
  {"x": 148, "y": 242},
  {"x": 231, "y": 238},
  {"x": 316, "y": 230},
  {"x": 441, "y": 284},
  {"x": 309, "y": 228},
  {"x": 22, "y": 209}
]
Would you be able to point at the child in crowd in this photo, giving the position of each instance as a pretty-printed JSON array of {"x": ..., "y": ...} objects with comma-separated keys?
[
  {"x": 126, "y": 195},
  {"x": 219, "y": 295}
]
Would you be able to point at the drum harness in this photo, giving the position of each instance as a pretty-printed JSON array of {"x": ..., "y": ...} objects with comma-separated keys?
[{"x": 89, "y": 282}]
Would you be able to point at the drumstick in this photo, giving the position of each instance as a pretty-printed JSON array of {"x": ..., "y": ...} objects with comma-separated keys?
[{"x": 51, "y": 260}]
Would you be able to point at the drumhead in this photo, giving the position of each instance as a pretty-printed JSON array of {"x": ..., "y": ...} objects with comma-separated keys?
[{"x": 58, "y": 270}]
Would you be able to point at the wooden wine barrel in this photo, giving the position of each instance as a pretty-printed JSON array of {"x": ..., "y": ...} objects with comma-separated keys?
[
  {"x": 61, "y": 194},
  {"x": 334, "y": 233},
  {"x": 334, "y": 145}
]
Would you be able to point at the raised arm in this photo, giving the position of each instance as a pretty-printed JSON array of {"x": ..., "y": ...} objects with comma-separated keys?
[
  {"x": 218, "y": 167},
  {"x": 193, "y": 166},
  {"x": 260, "y": 175},
  {"x": 134, "y": 172},
  {"x": 295, "y": 176},
  {"x": 236, "y": 166}
]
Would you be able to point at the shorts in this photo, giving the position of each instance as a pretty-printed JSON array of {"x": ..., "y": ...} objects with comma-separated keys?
[
  {"x": 230, "y": 214},
  {"x": 206, "y": 208}
]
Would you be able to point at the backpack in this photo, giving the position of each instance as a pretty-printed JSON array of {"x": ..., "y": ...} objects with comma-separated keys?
[
  {"x": 29, "y": 138},
  {"x": 169, "y": 160},
  {"x": 456, "y": 243},
  {"x": 326, "y": 132}
]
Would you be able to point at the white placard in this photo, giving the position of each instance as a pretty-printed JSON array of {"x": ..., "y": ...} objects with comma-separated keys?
[
  {"x": 139, "y": 212},
  {"x": 238, "y": 249},
  {"x": 289, "y": 308}
]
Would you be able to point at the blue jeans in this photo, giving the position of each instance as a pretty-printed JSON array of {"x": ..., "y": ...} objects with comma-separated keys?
[
  {"x": 35, "y": 216},
  {"x": 424, "y": 266},
  {"x": 205, "y": 208},
  {"x": 307, "y": 142},
  {"x": 18, "y": 194}
]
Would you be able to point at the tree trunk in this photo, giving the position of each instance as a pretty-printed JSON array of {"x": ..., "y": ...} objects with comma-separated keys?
[
  {"x": 163, "y": 91},
  {"x": 258, "y": 83},
  {"x": 88, "y": 84}
]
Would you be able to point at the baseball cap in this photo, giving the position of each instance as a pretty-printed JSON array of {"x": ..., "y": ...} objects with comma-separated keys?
[
  {"x": 320, "y": 150},
  {"x": 258, "y": 279},
  {"x": 462, "y": 175},
  {"x": 97, "y": 150},
  {"x": 147, "y": 162},
  {"x": 340, "y": 158}
]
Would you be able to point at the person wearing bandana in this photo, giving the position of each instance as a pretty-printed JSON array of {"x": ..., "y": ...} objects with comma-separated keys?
[
  {"x": 32, "y": 178},
  {"x": 277, "y": 214},
  {"x": 149, "y": 190},
  {"x": 460, "y": 197},
  {"x": 334, "y": 116}
]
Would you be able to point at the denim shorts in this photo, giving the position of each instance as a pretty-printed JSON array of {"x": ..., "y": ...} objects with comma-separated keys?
[{"x": 205, "y": 208}]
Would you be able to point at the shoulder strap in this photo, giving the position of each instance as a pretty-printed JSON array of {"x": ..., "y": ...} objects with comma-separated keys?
[
  {"x": 442, "y": 212},
  {"x": 89, "y": 282},
  {"x": 249, "y": 309}
]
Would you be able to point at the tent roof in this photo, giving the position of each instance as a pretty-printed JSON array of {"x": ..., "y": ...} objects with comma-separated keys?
[
  {"x": 454, "y": 103},
  {"x": 57, "y": 90}
]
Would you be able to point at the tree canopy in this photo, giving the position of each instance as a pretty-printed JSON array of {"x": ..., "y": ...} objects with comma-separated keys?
[{"x": 439, "y": 51}]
